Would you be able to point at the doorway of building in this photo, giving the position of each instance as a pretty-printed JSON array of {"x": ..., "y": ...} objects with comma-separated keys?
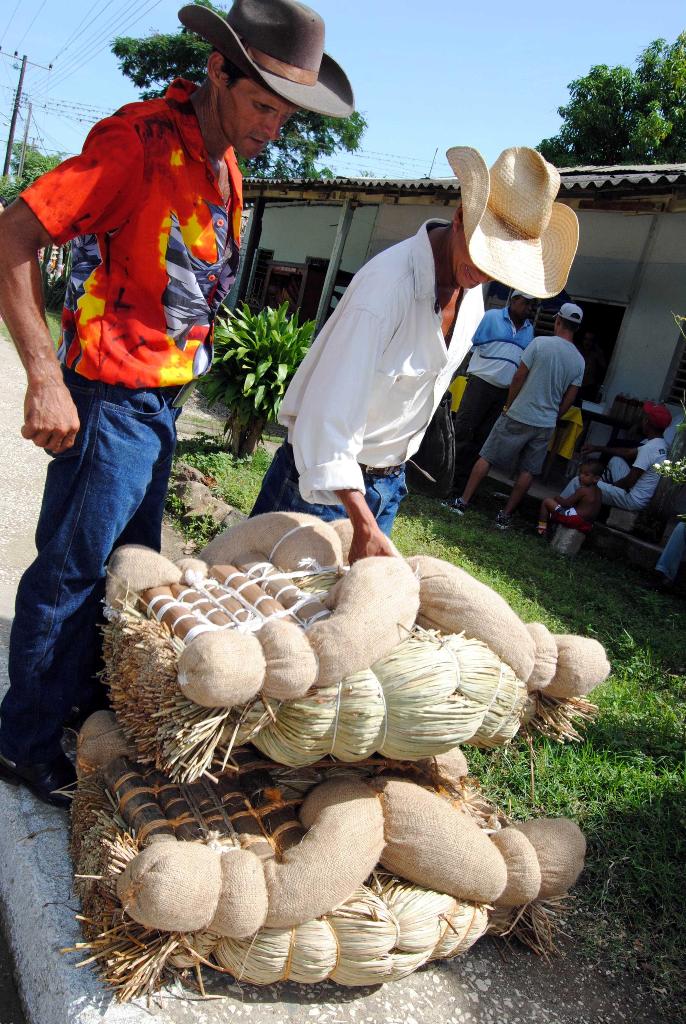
[{"x": 596, "y": 340}]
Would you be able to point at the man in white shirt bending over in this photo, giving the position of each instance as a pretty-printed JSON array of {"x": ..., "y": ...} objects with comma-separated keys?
[
  {"x": 630, "y": 481},
  {"x": 362, "y": 398}
]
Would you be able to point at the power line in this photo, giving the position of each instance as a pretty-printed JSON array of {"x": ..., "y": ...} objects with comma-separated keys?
[
  {"x": 129, "y": 24},
  {"x": 31, "y": 23},
  {"x": 77, "y": 31},
  {"x": 15, "y": 57},
  {"x": 68, "y": 70},
  {"x": 59, "y": 148},
  {"x": 53, "y": 104},
  {"x": 88, "y": 41},
  {"x": 16, "y": 8}
]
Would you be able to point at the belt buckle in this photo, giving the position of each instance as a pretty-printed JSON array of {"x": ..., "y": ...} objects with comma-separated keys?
[{"x": 379, "y": 471}]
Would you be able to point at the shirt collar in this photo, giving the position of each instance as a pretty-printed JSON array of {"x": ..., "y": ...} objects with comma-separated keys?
[
  {"x": 178, "y": 99},
  {"x": 422, "y": 260},
  {"x": 506, "y": 316}
]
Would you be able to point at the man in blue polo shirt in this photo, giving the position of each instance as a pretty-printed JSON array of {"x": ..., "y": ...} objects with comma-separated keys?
[{"x": 498, "y": 343}]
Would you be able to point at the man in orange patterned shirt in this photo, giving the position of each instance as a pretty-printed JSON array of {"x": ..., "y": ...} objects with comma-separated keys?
[{"x": 152, "y": 207}]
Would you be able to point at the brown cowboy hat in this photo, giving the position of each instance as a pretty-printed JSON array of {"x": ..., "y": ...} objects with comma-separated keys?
[
  {"x": 280, "y": 44},
  {"x": 516, "y": 233}
]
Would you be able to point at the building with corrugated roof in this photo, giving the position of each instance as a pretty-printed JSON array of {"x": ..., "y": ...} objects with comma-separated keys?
[{"x": 305, "y": 239}]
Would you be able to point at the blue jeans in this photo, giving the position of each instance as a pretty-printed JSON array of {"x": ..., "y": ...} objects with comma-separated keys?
[
  {"x": 107, "y": 490},
  {"x": 281, "y": 493},
  {"x": 674, "y": 550}
]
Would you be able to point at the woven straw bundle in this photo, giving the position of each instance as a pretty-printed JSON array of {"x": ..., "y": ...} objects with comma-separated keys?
[
  {"x": 430, "y": 695},
  {"x": 384, "y": 931},
  {"x": 426, "y": 697},
  {"x": 191, "y": 849}
]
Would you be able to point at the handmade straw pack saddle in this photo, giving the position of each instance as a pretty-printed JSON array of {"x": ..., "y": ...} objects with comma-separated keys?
[{"x": 270, "y": 639}]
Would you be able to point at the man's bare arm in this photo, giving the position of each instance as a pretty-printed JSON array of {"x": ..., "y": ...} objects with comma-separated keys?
[
  {"x": 628, "y": 454},
  {"x": 521, "y": 373},
  {"x": 50, "y": 417},
  {"x": 368, "y": 539},
  {"x": 567, "y": 399},
  {"x": 632, "y": 477}
]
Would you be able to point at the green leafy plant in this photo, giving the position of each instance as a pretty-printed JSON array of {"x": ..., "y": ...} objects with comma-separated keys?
[
  {"x": 256, "y": 355},
  {"x": 620, "y": 115}
]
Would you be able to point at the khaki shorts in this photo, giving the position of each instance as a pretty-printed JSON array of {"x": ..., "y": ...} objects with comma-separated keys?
[{"x": 515, "y": 446}]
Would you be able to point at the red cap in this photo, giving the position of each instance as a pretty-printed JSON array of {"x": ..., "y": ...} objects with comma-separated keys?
[{"x": 659, "y": 416}]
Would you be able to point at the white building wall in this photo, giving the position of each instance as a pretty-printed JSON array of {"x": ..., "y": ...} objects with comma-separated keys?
[
  {"x": 610, "y": 249},
  {"x": 297, "y": 230},
  {"x": 607, "y": 268},
  {"x": 396, "y": 222},
  {"x": 623, "y": 259},
  {"x": 649, "y": 334}
]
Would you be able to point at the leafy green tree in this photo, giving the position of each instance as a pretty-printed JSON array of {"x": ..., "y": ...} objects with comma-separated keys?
[
  {"x": 35, "y": 164},
  {"x": 619, "y": 116},
  {"x": 307, "y": 138}
]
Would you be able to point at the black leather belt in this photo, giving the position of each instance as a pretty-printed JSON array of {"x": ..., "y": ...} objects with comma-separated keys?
[{"x": 379, "y": 470}]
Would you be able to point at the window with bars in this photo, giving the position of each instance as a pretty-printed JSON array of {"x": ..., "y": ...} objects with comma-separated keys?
[{"x": 258, "y": 276}]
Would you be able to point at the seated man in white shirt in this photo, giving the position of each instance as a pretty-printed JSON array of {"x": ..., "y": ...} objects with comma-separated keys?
[
  {"x": 630, "y": 481},
  {"x": 361, "y": 400}
]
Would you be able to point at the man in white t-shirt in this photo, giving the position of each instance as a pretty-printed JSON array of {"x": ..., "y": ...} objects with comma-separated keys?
[
  {"x": 629, "y": 481},
  {"x": 542, "y": 390}
]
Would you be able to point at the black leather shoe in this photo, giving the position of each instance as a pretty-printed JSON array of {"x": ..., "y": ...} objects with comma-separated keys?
[{"x": 42, "y": 779}]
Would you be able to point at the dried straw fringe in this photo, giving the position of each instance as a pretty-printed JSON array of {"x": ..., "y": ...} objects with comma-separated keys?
[
  {"x": 555, "y": 718},
  {"x": 536, "y": 925}
]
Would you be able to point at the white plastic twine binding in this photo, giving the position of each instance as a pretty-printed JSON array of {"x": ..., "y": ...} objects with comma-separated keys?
[
  {"x": 304, "y": 562},
  {"x": 263, "y": 572},
  {"x": 157, "y": 606},
  {"x": 207, "y": 594},
  {"x": 253, "y": 620}
]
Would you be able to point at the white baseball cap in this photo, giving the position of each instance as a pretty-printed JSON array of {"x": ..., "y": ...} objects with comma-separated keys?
[{"x": 569, "y": 311}]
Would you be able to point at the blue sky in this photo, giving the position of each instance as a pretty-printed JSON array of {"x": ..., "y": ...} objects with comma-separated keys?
[{"x": 426, "y": 77}]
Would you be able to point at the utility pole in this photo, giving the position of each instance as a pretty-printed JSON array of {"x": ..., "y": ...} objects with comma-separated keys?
[
  {"x": 17, "y": 101},
  {"x": 22, "y": 158},
  {"x": 15, "y": 112}
]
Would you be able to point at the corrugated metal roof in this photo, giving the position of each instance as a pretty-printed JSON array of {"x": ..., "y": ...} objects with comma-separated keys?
[
  {"x": 599, "y": 177},
  {"x": 573, "y": 179}
]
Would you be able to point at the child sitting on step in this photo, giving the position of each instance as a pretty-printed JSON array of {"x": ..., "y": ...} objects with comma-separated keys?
[{"x": 579, "y": 510}]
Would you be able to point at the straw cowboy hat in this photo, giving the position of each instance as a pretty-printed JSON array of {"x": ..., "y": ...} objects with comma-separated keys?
[
  {"x": 515, "y": 231},
  {"x": 280, "y": 44}
]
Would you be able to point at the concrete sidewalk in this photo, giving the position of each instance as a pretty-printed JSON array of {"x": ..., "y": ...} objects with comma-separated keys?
[{"x": 40, "y": 909}]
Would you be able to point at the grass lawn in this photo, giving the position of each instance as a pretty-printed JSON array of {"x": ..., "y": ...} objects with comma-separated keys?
[
  {"x": 626, "y": 783},
  {"x": 53, "y": 319},
  {"x": 55, "y": 324}
]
